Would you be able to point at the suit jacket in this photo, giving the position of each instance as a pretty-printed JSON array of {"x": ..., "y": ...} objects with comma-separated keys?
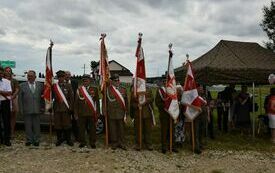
[{"x": 30, "y": 103}]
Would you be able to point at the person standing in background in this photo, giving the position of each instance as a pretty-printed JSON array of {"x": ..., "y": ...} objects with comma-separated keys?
[
  {"x": 242, "y": 111},
  {"x": 75, "y": 124},
  {"x": 5, "y": 93},
  {"x": 14, "y": 98},
  {"x": 270, "y": 111}
]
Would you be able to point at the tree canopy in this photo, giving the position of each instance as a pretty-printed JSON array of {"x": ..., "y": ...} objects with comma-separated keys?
[{"x": 268, "y": 24}]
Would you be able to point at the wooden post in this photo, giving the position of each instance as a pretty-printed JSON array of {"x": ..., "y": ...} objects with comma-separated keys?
[
  {"x": 193, "y": 135},
  {"x": 253, "y": 108},
  {"x": 171, "y": 135},
  {"x": 105, "y": 116},
  {"x": 51, "y": 127},
  {"x": 260, "y": 103},
  {"x": 140, "y": 127}
]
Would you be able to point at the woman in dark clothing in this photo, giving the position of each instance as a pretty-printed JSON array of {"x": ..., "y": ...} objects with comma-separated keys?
[{"x": 242, "y": 110}]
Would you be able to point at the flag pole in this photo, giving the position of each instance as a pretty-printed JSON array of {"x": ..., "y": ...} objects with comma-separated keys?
[
  {"x": 193, "y": 135},
  {"x": 192, "y": 120},
  {"x": 104, "y": 53},
  {"x": 170, "y": 118},
  {"x": 106, "y": 117},
  {"x": 140, "y": 106},
  {"x": 51, "y": 100},
  {"x": 140, "y": 126}
]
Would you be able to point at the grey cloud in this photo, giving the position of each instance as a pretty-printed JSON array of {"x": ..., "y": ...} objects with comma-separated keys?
[
  {"x": 2, "y": 32},
  {"x": 194, "y": 27}
]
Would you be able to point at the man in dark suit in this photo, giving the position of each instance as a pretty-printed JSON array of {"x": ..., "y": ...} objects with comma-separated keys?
[
  {"x": 30, "y": 101},
  {"x": 74, "y": 85}
]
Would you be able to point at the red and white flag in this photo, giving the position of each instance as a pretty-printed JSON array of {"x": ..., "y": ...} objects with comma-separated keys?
[
  {"x": 171, "y": 101},
  {"x": 140, "y": 77},
  {"x": 190, "y": 97},
  {"x": 47, "y": 94},
  {"x": 104, "y": 71}
]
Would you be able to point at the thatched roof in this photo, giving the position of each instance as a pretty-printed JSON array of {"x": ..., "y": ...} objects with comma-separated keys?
[{"x": 232, "y": 62}]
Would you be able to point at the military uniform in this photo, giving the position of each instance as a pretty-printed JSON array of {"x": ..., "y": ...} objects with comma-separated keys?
[
  {"x": 164, "y": 122},
  {"x": 75, "y": 123},
  {"x": 200, "y": 125},
  {"x": 116, "y": 116},
  {"x": 62, "y": 114},
  {"x": 87, "y": 118},
  {"x": 146, "y": 117}
]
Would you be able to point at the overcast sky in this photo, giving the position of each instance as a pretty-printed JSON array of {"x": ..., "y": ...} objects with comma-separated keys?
[{"x": 193, "y": 26}]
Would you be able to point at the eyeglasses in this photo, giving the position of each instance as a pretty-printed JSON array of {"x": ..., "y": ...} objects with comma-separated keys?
[{"x": 116, "y": 80}]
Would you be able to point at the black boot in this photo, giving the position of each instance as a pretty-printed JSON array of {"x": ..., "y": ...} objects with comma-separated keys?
[
  {"x": 68, "y": 137},
  {"x": 59, "y": 137}
]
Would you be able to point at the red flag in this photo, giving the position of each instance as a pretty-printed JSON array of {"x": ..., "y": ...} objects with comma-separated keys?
[
  {"x": 190, "y": 96},
  {"x": 48, "y": 79},
  {"x": 140, "y": 77},
  {"x": 171, "y": 101},
  {"x": 104, "y": 71}
]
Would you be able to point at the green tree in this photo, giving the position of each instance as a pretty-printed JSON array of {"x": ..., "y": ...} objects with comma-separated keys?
[
  {"x": 93, "y": 65},
  {"x": 268, "y": 24}
]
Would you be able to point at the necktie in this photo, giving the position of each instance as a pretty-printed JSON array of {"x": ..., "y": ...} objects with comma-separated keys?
[{"x": 32, "y": 88}]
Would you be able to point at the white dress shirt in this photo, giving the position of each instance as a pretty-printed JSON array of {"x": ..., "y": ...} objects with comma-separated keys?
[{"x": 5, "y": 85}]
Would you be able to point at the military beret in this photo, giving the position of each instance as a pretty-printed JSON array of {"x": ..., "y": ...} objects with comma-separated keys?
[
  {"x": 114, "y": 76},
  {"x": 60, "y": 73}
]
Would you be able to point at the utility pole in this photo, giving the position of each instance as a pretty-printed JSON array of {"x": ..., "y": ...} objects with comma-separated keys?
[{"x": 84, "y": 67}]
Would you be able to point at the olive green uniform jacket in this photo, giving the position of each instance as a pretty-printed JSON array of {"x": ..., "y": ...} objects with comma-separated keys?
[{"x": 62, "y": 117}]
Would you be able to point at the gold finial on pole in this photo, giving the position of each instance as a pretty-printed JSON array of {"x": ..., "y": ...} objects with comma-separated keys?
[
  {"x": 187, "y": 56},
  {"x": 170, "y": 46},
  {"x": 103, "y": 35},
  {"x": 51, "y": 43}
]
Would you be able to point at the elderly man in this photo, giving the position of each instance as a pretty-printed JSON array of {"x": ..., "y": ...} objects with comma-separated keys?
[
  {"x": 63, "y": 108},
  {"x": 86, "y": 110},
  {"x": 5, "y": 93},
  {"x": 30, "y": 101},
  {"x": 117, "y": 104}
]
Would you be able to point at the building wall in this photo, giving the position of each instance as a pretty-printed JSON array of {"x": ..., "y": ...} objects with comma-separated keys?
[
  {"x": 125, "y": 79},
  {"x": 114, "y": 66}
]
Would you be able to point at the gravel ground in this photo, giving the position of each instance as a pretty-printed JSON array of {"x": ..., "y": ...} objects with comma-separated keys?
[{"x": 47, "y": 158}]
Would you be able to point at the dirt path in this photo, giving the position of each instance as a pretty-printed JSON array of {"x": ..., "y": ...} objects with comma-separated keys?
[{"x": 19, "y": 158}]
